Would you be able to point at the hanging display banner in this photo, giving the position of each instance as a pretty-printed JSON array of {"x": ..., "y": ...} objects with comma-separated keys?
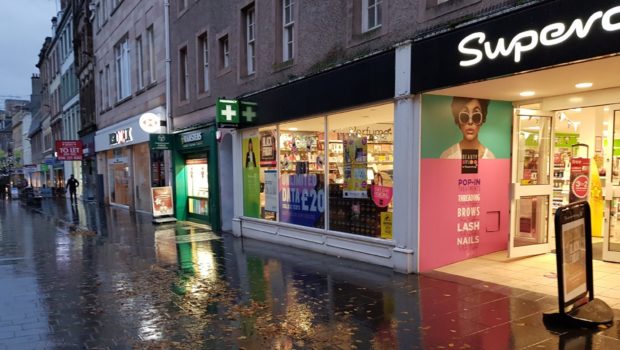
[
  {"x": 381, "y": 195},
  {"x": 251, "y": 178},
  {"x": 69, "y": 150},
  {"x": 267, "y": 149},
  {"x": 355, "y": 164},
  {"x": 579, "y": 179},
  {"x": 302, "y": 200},
  {"x": 271, "y": 190},
  {"x": 162, "y": 201}
]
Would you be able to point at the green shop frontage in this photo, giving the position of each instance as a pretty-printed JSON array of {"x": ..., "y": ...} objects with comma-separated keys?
[{"x": 195, "y": 164}]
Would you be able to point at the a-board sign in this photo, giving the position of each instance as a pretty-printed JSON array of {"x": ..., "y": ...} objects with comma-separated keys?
[{"x": 573, "y": 243}]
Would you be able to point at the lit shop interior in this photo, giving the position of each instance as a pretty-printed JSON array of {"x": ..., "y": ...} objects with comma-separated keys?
[
  {"x": 566, "y": 120},
  {"x": 331, "y": 172}
]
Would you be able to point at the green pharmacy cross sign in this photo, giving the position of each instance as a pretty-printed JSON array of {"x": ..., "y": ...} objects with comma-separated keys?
[{"x": 233, "y": 113}]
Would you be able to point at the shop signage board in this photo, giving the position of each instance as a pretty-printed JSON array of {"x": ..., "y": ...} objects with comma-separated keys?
[
  {"x": 234, "y": 113},
  {"x": 192, "y": 139},
  {"x": 538, "y": 36},
  {"x": 121, "y": 136},
  {"x": 162, "y": 201},
  {"x": 573, "y": 233},
  {"x": 69, "y": 150},
  {"x": 227, "y": 113},
  {"x": 579, "y": 179},
  {"x": 160, "y": 141}
]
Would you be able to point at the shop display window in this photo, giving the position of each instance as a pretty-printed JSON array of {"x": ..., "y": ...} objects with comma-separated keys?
[
  {"x": 118, "y": 176},
  {"x": 305, "y": 172},
  {"x": 302, "y": 172},
  {"x": 361, "y": 164},
  {"x": 197, "y": 173}
]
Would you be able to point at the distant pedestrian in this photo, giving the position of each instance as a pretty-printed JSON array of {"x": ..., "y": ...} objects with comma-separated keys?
[{"x": 72, "y": 185}]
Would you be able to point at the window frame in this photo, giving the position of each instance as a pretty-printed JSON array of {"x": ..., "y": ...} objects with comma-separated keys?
[
  {"x": 183, "y": 75},
  {"x": 140, "y": 62},
  {"x": 376, "y": 15},
  {"x": 224, "y": 52},
  {"x": 249, "y": 15},
  {"x": 202, "y": 62},
  {"x": 150, "y": 38},
  {"x": 122, "y": 59},
  {"x": 288, "y": 30}
]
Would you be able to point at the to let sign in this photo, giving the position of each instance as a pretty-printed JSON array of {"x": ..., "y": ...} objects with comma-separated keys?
[{"x": 69, "y": 150}]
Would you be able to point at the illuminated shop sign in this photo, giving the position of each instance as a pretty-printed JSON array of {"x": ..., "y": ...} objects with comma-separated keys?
[
  {"x": 477, "y": 47},
  {"x": 530, "y": 37},
  {"x": 191, "y": 137},
  {"x": 121, "y": 136}
]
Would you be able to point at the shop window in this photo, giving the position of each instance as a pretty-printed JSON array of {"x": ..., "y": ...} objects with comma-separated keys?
[
  {"x": 118, "y": 176},
  {"x": 360, "y": 155},
  {"x": 197, "y": 177},
  {"x": 302, "y": 172}
]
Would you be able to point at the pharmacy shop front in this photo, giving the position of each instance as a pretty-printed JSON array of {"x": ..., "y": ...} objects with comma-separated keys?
[{"x": 519, "y": 113}]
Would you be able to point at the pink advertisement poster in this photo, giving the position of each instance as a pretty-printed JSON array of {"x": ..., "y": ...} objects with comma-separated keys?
[{"x": 465, "y": 179}]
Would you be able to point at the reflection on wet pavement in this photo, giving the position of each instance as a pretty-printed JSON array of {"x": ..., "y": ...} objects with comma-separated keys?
[{"x": 135, "y": 285}]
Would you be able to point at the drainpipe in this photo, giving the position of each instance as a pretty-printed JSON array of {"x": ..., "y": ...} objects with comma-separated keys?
[{"x": 169, "y": 126}]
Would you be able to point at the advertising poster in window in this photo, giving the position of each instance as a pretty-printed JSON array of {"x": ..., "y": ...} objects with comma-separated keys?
[
  {"x": 267, "y": 148},
  {"x": 302, "y": 200},
  {"x": 162, "y": 201},
  {"x": 464, "y": 178},
  {"x": 574, "y": 259},
  {"x": 355, "y": 167},
  {"x": 251, "y": 177},
  {"x": 271, "y": 191}
]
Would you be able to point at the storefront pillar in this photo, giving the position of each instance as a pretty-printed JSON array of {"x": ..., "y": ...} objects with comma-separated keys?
[
  {"x": 237, "y": 183},
  {"x": 407, "y": 135}
]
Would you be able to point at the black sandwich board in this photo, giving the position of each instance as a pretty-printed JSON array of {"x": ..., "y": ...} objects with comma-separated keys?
[{"x": 573, "y": 242}]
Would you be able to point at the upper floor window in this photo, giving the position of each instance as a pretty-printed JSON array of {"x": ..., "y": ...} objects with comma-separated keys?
[
  {"x": 371, "y": 14},
  {"x": 150, "y": 54},
  {"x": 250, "y": 39},
  {"x": 183, "y": 75},
  {"x": 224, "y": 52},
  {"x": 288, "y": 25},
  {"x": 183, "y": 5},
  {"x": 140, "y": 62},
  {"x": 123, "y": 71},
  {"x": 101, "y": 92},
  {"x": 203, "y": 63},
  {"x": 108, "y": 92}
]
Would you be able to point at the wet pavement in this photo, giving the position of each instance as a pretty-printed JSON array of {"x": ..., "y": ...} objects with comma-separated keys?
[{"x": 89, "y": 277}]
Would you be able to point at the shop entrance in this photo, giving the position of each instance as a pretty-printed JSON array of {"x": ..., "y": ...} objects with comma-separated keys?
[{"x": 555, "y": 152}]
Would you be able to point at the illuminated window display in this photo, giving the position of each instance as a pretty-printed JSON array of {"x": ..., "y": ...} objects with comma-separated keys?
[
  {"x": 118, "y": 175},
  {"x": 351, "y": 165},
  {"x": 197, "y": 172}
]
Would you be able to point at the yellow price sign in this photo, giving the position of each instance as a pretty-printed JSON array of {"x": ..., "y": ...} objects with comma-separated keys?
[{"x": 386, "y": 225}]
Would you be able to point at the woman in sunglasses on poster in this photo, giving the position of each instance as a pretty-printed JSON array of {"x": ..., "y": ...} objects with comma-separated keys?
[{"x": 469, "y": 114}]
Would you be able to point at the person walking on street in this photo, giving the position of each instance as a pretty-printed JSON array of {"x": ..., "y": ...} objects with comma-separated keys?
[{"x": 72, "y": 185}]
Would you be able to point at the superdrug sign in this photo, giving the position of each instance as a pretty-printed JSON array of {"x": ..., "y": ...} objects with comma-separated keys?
[{"x": 537, "y": 36}]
